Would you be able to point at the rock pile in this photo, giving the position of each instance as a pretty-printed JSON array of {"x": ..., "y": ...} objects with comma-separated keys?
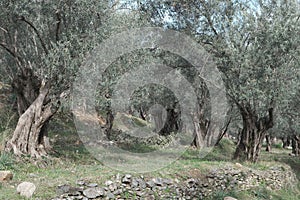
[
  {"x": 226, "y": 178},
  {"x": 244, "y": 178},
  {"x": 122, "y": 137},
  {"x": 121, "y": 187}
]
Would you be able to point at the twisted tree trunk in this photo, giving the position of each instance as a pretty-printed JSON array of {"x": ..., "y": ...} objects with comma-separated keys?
[
  {"x": 201, "y": 126},
  {"x": 253, "y": 133},
  {"x": 30, "y": 135}
]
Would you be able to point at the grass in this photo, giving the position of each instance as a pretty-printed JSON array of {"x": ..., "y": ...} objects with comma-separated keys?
[
  {"x": 137, "y": 148},
  {"x": 71, "y": 162},
  {"x": 7, "y": 161}
]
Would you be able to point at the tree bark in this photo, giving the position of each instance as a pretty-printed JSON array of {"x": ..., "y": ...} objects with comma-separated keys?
[
  {"x": 172, "y": 122},
  {"x": 253, "y": 133},
  {"x": 200, "y": 131},
  {"x": 30, "y": 135},
  {"x": 286, "y": 141},
  {"x": 142, "y": 114},
  {"x": 109, "y": 123},
  {"x": 159, "y": 119},
  {"x": 26, "y": 86},
  {"x": 296, "y": 145},
  {"x": 223, "y": 131},
  {"x": 269, "y": 143},
  {"x": 201, "y": 126}
]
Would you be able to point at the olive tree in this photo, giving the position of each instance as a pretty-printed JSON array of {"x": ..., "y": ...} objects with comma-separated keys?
[
  {"x": 288, "y": 119},
  {"x": 256, "y": 47},
  {"x": 42, "y": 45}
]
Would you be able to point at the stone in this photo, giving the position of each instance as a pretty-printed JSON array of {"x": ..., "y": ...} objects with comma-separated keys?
[
  {"x": 109, "y": 182},
  {"x": 229, "y": 198},
  {"x": 158, "y": 181},
  {"x": 191, "y": 181},
  {"x": 26, "y": 189},
  {"x": 63, "y": 189},
  {"x": 6, "y": 175},
  {"x": 79, "y": 197},
  {"x": 101, "y": 191},
  {"x": 205, "y": 184},
  {"x": 168, "y": 181},
  {"x": 32, "y": 175},
  {"x": 92, "y": 193},
  {"x": 142, "y": 183},
  {"x": 150, "y": 197},
  {"x": 239, "y": 165},
  {"x": 80, "y": 182},
  {"x": 134, "y": 183},
  {"x": 67, "y": 189},
  {"x": 118, "y": 177},
  {"x": 75, "y": 191},
  {"x": 128, "y": 176},
  {"x": 150, "y": 184},
  {"x": 117, "y": 192},
  {"x": 110, "y": 195},
  {"x": 112, "y": 187},
  {"x": 126, "y": 179},
  {"x": 92, "y": 185},
  {"x": 140, "y": 194}
]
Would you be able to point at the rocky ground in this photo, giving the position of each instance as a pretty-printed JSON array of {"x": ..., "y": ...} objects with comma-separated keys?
[{"x": 230, "y": 177}]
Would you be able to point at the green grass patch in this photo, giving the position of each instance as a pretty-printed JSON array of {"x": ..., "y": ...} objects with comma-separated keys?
[
  {"x": 222, "y": 152},
  {"x": 7, "y": 161},
  {"x": 137, "y": 148}
]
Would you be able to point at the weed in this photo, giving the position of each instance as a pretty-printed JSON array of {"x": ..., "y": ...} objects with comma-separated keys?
[{"x": 6, "y": 161}]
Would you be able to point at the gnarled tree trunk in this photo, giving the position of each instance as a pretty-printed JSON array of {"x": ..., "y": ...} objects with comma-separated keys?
[
  {"x": 172, "y": 123},
  {"x": 201, "y": 126},
  {"x": 286, "y": 141},
  {"x": 109, "y": 123},
  {"x": 253, "y": 133},
  {"x": 269, "y": 143},
  {"x": 200, "y": 133},
  {"x": 296, "y": 145},
  {"x": 30, "y": 136}
]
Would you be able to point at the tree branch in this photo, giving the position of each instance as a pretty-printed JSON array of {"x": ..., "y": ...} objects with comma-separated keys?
[
  {"x": 210, "y": 23},
  {"x": 8, "y": 50},
  {"x": 22, "y": 18},
  {"x": 58, "y": 23},
  {"x": 12, "y": 53}
]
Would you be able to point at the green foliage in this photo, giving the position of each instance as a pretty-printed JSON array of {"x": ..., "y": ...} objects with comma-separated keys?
[
  {"x": 7, "y": 114},
  {"x": 48, "y": 41},
  {"x": 277, "y": 145},
  {"x": 223, "y": 151},
  {"x": 255, "y": 45},
  {"x": 6, "y": 161}
]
